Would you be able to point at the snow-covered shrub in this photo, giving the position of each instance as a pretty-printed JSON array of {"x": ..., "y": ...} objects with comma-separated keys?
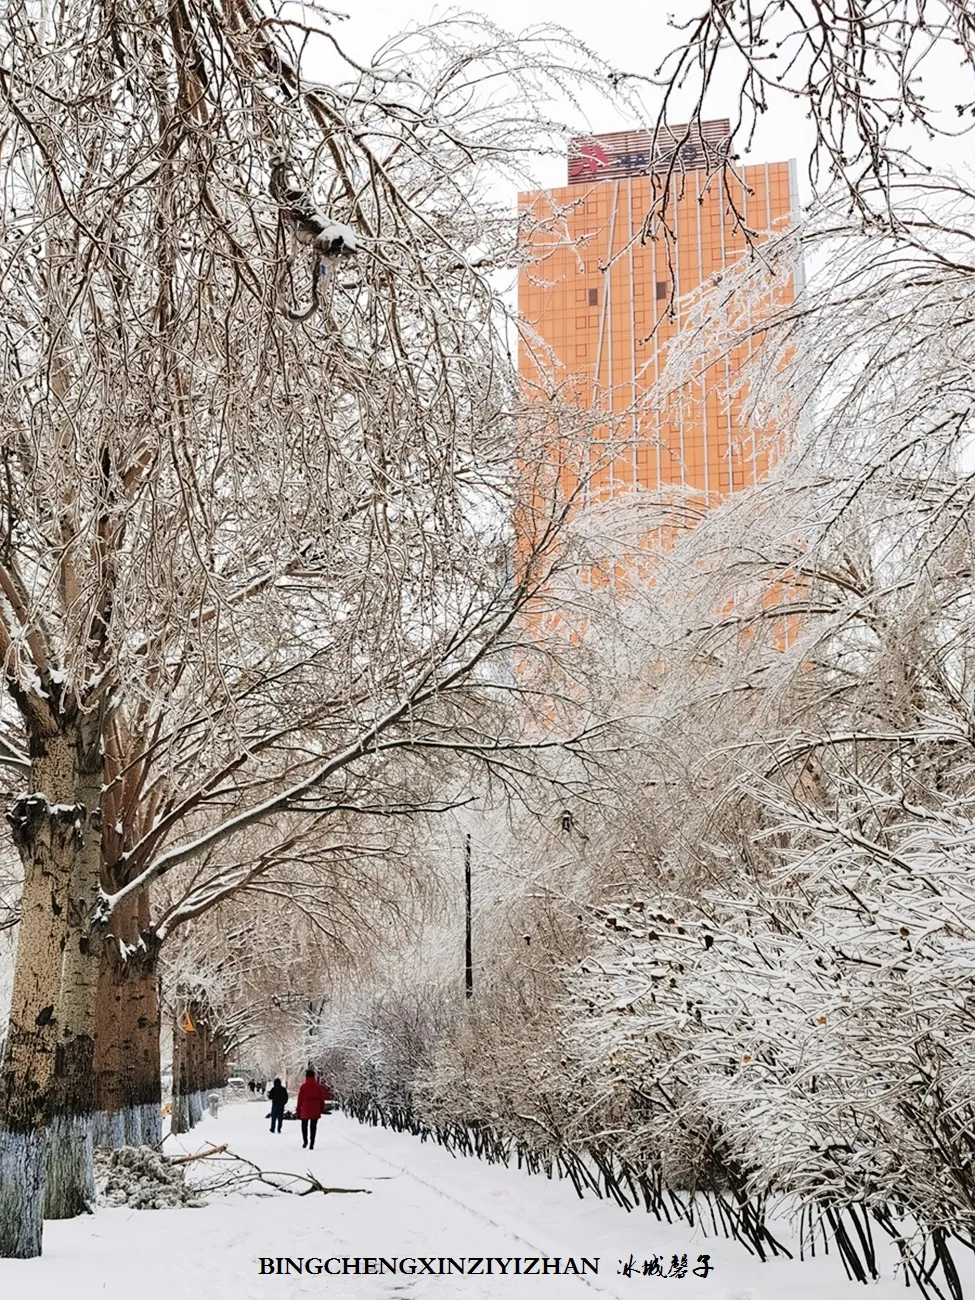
[
  {"x": 814, "y": 1036},
  {"x": 142, "y": 1179},
  {"x": 378, "y": 1044}
]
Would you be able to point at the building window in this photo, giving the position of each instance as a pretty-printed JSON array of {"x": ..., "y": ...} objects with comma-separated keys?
[
  {"x": 593, "y": 297},
  {"x": 662, "y": 290}
]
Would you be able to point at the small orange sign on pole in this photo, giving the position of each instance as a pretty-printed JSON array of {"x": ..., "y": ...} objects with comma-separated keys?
[{"x": 188, "y": 1024}]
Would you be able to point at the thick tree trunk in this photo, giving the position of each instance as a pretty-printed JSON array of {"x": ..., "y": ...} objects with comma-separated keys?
[
  {"x": 70, "y": 1170},
  {"x": 127, "y": 1056},
  {"x": 127, "y": 1065},
  {"x": 145, "y": 1090},
  {"x": 180, "y": 1120},
  {"x": 190, "y": 1068},
  {"x": 113, "y": 1029},
  {"x": 217, "y": 1061},
  {"x": 143, "y": 1100},
  {"x": 46, "y": 826},
  {"x": 196, "y": 1050}
]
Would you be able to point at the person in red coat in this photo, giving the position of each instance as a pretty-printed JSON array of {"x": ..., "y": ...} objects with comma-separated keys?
[{"x": 310, "y": 1107}]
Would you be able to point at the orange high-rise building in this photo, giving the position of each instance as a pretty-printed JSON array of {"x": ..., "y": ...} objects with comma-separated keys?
[{"x": 601, "y": 302}]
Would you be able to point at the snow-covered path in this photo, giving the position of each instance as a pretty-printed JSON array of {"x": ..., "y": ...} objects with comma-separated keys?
[{"x": 420, "y": 1202}]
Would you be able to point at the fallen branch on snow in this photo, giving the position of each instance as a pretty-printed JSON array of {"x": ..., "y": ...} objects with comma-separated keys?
[{"x": 242, "y": 1173}]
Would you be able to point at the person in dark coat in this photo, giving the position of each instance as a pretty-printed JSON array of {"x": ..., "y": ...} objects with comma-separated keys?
[
  {"x": 312, "y": 1097},
  {"x": 278, "y": 1097}
]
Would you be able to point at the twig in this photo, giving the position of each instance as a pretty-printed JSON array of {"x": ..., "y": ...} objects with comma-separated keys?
[{"x": 201, "y": 1155}]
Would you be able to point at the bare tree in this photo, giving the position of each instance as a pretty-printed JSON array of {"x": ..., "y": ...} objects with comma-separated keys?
[
  {"x": 869, "y": 78},
  {"x": 244, "y": 561}
]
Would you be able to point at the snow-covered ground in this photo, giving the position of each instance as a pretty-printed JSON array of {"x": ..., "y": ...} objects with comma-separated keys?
[{"x": 420, "y": 1202}]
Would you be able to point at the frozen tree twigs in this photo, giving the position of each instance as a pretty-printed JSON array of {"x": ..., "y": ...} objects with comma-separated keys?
[{"x": 875, "y": 84}]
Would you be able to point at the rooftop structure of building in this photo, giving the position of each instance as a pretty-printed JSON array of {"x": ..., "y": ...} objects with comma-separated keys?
[{"x": 602, "y": 295}]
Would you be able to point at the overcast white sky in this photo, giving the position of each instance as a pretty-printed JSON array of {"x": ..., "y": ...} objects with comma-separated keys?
[
  {"x": 633, "y": 36},
  {"x": 629, "y": 34}
]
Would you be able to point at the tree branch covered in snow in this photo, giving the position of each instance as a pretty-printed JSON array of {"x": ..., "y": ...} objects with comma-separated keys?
[{"x": 747, "y": 973}]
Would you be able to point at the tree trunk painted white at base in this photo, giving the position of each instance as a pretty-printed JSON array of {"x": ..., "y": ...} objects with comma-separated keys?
[
  {"x": 181, "y": 1114},
  {"x": 130, "y": 1126},
  {"x": 22, "y": 1173},
  {"x": 70, "y": 1186},
  {"x": 147, "y": 1122},
  {"x": 109, "y": 1130}
]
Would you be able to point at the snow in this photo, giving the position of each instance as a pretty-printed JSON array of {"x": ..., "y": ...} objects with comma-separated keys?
[
  {"x": 336, "y": 234},
  {"x": 418, "y": 1201}
]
